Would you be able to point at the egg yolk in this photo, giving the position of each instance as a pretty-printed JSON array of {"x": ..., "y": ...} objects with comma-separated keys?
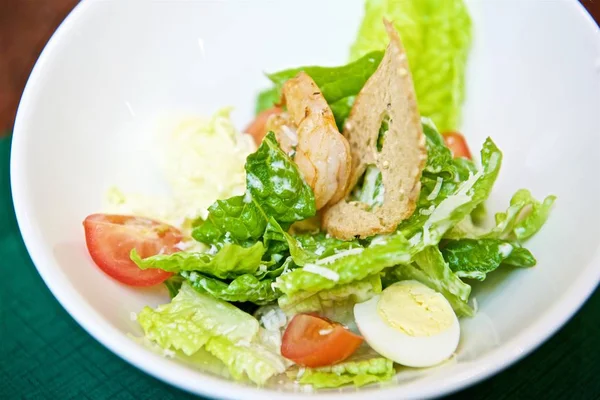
[{"x": 415, "y": 309}]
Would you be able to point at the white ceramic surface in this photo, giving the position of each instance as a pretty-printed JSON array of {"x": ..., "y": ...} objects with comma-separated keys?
[{"x": 115, "y": 67}]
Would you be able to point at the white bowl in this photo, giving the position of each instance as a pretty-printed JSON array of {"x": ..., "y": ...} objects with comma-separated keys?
[{"x": 114, "y": 67}]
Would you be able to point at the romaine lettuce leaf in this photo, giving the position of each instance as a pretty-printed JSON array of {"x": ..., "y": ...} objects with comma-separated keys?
[
  {"x": 253, "y": 360},
  {"x": 523, "y": 218},
  {"x": 463, "y": 200},
  {"x": 305, "y": 248},
  {"x": 436, "y": 35},
  {"x": 233, "y": 220},
  {"x": 339, "y": 85},
  {"x": 336, "y": 83},
  {"x": 275, "y": 189},
  {"x": 192, "y": 318},
  {"x": 327, "y": 302},
  {"x": 533, "y": 214},
  {"x": 201, "y": 359},
  {"x": 364, "y": 367},
  {"x": 229, "y": 262},
  {"x": 369, "y": 190},
  {"x": 244, "y": 288},
  {"x": 341, "y": 110},
  {"x": 470, "y": 258},
  {"x": 275, "y": 184},
  {"x": 173, "y": 284},
  {"x": 431, "y": 269},
  {"x": 194, "y": 321},
  {"x": 440, "y": 162},
  {"x": 267, "y": 99},
  {"x": 479, "y": 214},
  {"x": 322, "y": 245},
  {"x": 274, "y": 238},
  {"x": 346, "y": 266},
  {"x": 441, "y": 177}
]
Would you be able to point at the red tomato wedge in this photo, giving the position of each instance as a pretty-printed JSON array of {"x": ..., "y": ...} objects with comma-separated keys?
[
  {"x": 312, "y": 341},
  {"x": 110, "y": 239},
  {"x": 457, "y": 144},
  {"x": 258, "y": 128}
]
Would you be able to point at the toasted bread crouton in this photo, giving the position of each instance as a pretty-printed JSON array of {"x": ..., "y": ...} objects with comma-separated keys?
[{"x": 388, "y": 97}]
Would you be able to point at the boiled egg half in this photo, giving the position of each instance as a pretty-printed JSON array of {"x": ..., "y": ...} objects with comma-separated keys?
[{"x": 410, "y": 324}]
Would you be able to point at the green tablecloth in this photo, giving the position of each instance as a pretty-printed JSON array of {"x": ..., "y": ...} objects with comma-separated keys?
[{"x": 44, "y": 354}]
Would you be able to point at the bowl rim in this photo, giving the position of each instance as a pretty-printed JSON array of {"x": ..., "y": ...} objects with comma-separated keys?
[{"x": 187, "y": 379}]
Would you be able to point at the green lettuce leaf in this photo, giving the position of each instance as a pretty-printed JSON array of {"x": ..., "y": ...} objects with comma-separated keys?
[
  {"x": 231, "y": 221},
  {"x": 533, "y": 214},
  {"x": 470, "y": 258},
  {"x": 267, "y": 99},
  {"x": 426, "y": 229},
  {"x": 253, "y": 360},
  {"x": 195, "y": 321},
  {"x": 336, "y": 83},
  {"x": 341, "y": 110},
  {"x": 201, "y": 359},
  {"x": 305, "y": 248},
  {"x": 436, "y": 35},
  {"x": 275, "y": 239},
  {"x": 244, "y": 288},
  {"x": 275, "y": 188},
  {"x": 322, "y": 245},
  {"x": 440, "y": 162},
  {"x": 192, "y": 318},
  {"x": 276, "y": 185},
  {"x": 459, "y": 203},
  {"x": 431, "y": 269},
  {"x": 369, "y": 190},
  {"x": 523, "y": 218},
  {"x": 441, "y": 178},
  {"x": 364, "y": 367},
  {"x": 339, "y": 85},
  {"x": 229, "y": 262},
  {"x": 479, "y": 214},
  {"x": 346, "y": 266},
  {"x": 173, "y": 284},
  {"x": 328, "y": 302}
]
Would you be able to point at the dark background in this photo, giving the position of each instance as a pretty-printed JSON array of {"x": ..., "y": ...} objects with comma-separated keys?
[{"x": 44, "y": 354}]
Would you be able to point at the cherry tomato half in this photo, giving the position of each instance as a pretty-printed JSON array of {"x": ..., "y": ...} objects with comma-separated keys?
[
  {"x": 457, "y": 144},
  {"x": 312, "y": 341},
  {"x": 110, "y": 239}
]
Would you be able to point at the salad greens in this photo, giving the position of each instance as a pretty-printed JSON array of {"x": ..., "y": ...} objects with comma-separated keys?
[
  {"x": 470, "y": 258},
  {"x": 436, "y": 35},
  {"x": 274, "y": 188},
  {"x": 369, "y": 190},
  {"x": 244, "y": 288},
  {"x": 333, "y": 300},
  {"x": 257, "y": 257},
  {"x": 336, "y": 83},
  {"x": 313, "y": 272},
  {"x": 195, "y": 321},
  {"x": 364, "y": 367},
  {"x": 520, "y": 221},
  {"x": 339, "y": 85},
  {"x": 230, "y": 261}
]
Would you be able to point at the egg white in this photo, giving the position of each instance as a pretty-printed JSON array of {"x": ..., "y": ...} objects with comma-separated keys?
[{"x": 411, "y": 351}]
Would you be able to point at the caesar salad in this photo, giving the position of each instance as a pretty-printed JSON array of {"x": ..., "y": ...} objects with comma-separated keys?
[{"x": 340, "y": 235}]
